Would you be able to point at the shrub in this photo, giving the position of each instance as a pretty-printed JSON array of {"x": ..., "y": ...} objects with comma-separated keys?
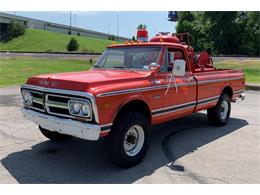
[
  {"x": 15, "y": 29},
  {"x": 112, "y": 38},
  {"x": 73, "y": 45}
]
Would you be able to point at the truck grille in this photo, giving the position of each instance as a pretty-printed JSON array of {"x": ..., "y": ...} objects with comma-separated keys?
[
  {"x": 38, "y": 102},
  {"x": 53, "y": 104},
  {"x": 57, "y": 105}
]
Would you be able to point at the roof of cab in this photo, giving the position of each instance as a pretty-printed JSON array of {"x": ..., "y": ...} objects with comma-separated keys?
[{"x": 146, "y": 44}]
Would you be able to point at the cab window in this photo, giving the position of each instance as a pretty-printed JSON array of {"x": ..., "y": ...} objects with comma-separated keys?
[{"x": 172, "y": 55}]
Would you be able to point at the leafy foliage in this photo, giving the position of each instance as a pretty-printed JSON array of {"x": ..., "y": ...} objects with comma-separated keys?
[
  {"x": 223, "y": 32},
  {"x": 73, "y": 45},
  {"x": 14, "y": 29},
  {"x": 141, "y": 27}
]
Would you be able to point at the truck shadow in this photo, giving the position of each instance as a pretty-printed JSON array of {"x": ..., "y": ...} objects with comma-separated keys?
[{"x": 79, "y": 161}]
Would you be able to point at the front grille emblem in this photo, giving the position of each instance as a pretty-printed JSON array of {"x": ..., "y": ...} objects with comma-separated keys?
[{"x": 44, "y": 82}]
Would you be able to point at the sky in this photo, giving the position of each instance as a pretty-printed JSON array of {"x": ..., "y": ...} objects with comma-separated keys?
[{"x": 156, "y": 21}]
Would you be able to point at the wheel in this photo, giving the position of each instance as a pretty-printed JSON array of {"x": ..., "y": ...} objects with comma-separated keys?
[
  {"x": 129, "y": 140},
  {"x": 54, "y": 136},
  {"x": 219, "y": 114}
]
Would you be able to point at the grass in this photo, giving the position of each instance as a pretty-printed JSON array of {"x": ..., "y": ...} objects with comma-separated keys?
[
  {"x": 42, "y": 41},
  {"x": 14, "y": 71},
  {"x": 250, "y": 67}
]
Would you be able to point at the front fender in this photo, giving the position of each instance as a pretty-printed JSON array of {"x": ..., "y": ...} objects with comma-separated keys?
[{"x": 109, "y": 107}]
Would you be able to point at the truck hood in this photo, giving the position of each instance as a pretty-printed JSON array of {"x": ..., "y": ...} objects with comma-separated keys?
[{"x": 88, "y": 80}]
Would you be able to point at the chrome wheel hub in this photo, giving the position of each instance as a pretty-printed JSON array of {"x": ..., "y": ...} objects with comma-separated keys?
[
  {"x": 134, "y": 140},
  {"x": 224, "y": 110}
]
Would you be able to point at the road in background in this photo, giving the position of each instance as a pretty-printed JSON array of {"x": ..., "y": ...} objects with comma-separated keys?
[
  {"x": 95, "y": 56},
  {"x": 58, "y": 55},
  {"x": 187, "y": 150},
  {"x": 233, "y": 58}
]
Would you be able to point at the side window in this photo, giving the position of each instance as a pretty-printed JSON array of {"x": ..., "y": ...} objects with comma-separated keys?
[
  {"x": 172, "y": 55},
  {"x": 164, "y": 63}
]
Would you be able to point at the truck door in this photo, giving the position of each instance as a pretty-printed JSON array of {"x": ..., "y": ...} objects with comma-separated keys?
[{"x": 179, "y": 99}]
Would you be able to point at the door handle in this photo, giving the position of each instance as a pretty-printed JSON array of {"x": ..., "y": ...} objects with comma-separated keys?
[
  {"x": 157, "y": 82},
  {"x": 189, "y": 79}
]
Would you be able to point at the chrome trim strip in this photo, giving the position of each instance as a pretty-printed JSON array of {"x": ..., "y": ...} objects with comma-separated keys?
[
  {"x": 58, "y": 114},
  {"x": 56, "y": 104},
  {"x": 162, "y": 87},
  {"x": 106, "y": 127},
  {"x": 184, "y": 106},
  {"x": 125, "y": 91},
  {"x": 219, "y": 80},
  {"x": 208, "y": 99},
  {"x": 104, "y": 131},
  {"x": 34, "y": 108},
  {"x": 38, "y": 100},
  {"x": 67, "y": 92},
  {"x": 176, "y": 110},
  {"x": 170, "y": 107}
]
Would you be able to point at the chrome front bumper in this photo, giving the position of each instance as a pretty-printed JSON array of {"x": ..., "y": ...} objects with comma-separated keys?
[{"x": 64, "y": 126}]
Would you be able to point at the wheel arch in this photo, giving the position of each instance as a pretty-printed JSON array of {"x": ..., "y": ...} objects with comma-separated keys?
[
  {"x": 228, "y": 90},
  {"x": 137, "y": 104}
]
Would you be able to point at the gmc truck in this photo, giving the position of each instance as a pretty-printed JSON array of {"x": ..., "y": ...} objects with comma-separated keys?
[{"x": 132, "y": 87}]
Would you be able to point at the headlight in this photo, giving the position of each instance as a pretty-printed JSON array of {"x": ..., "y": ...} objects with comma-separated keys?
[
  {"x": 76, "y": 108},
  {"x": 85, "y": 109},
  {"x": 27, "y": 98},
  {"x": 79, "y": 108}
]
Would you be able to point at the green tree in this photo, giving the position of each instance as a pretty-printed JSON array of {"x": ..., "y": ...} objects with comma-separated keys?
[
  {"x": 223, "y": 32},
  {"x": 73, "y": 45},
  {"x": 14, "y": 29},
  {"x": 253, "y": 26},
  {"x": 141, "y": 27},
  {"x": 199, "y": 28}
]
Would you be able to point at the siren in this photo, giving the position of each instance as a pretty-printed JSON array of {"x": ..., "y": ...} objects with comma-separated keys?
[{"x": 142, "y": 35}]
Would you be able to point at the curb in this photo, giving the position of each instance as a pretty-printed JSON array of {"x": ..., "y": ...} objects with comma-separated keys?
[{"x": 255, "y": 87}]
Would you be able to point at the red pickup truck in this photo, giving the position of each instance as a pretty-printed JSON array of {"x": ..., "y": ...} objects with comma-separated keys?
[{"x": 130, "y": 88}]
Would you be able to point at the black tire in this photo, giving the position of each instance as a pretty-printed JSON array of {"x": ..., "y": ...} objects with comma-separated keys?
[
  {"x": 115, "y": 142},
  {"x": 54, "y": 136},
  {"x": 215, "y": 114}
]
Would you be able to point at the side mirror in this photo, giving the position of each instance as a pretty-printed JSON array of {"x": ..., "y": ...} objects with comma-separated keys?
[
  {"x": 154, "y": 67},
  {"x": 179, "y": 68}
]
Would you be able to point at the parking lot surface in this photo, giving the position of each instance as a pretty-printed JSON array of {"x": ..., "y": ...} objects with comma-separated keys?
[{"x": 186, "y": 150}]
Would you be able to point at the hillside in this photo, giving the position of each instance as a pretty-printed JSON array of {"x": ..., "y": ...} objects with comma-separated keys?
[{"x": 40, "y": 40}]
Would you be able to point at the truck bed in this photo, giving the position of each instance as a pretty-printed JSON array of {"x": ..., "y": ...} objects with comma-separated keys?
[{"x": 211, "y": 83}]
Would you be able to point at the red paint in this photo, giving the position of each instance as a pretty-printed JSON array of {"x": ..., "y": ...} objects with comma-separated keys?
[
  {"x": 98, "y": 81},
  {"x": 142, "y": 35},
  {"x": 165, "y": 38}
]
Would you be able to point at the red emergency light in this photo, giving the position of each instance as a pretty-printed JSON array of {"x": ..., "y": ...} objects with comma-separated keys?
[{"x": 142, "y": 35}]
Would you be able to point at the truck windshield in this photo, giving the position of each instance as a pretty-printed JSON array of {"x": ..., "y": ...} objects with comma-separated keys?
[{"x": 129, "y": 57}]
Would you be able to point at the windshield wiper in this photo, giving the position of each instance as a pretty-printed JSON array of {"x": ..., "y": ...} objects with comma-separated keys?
[{"x": 120, "y": 67}]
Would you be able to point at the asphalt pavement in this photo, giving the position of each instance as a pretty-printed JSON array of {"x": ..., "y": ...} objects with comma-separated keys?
[{"x": 186, "y": 150}]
